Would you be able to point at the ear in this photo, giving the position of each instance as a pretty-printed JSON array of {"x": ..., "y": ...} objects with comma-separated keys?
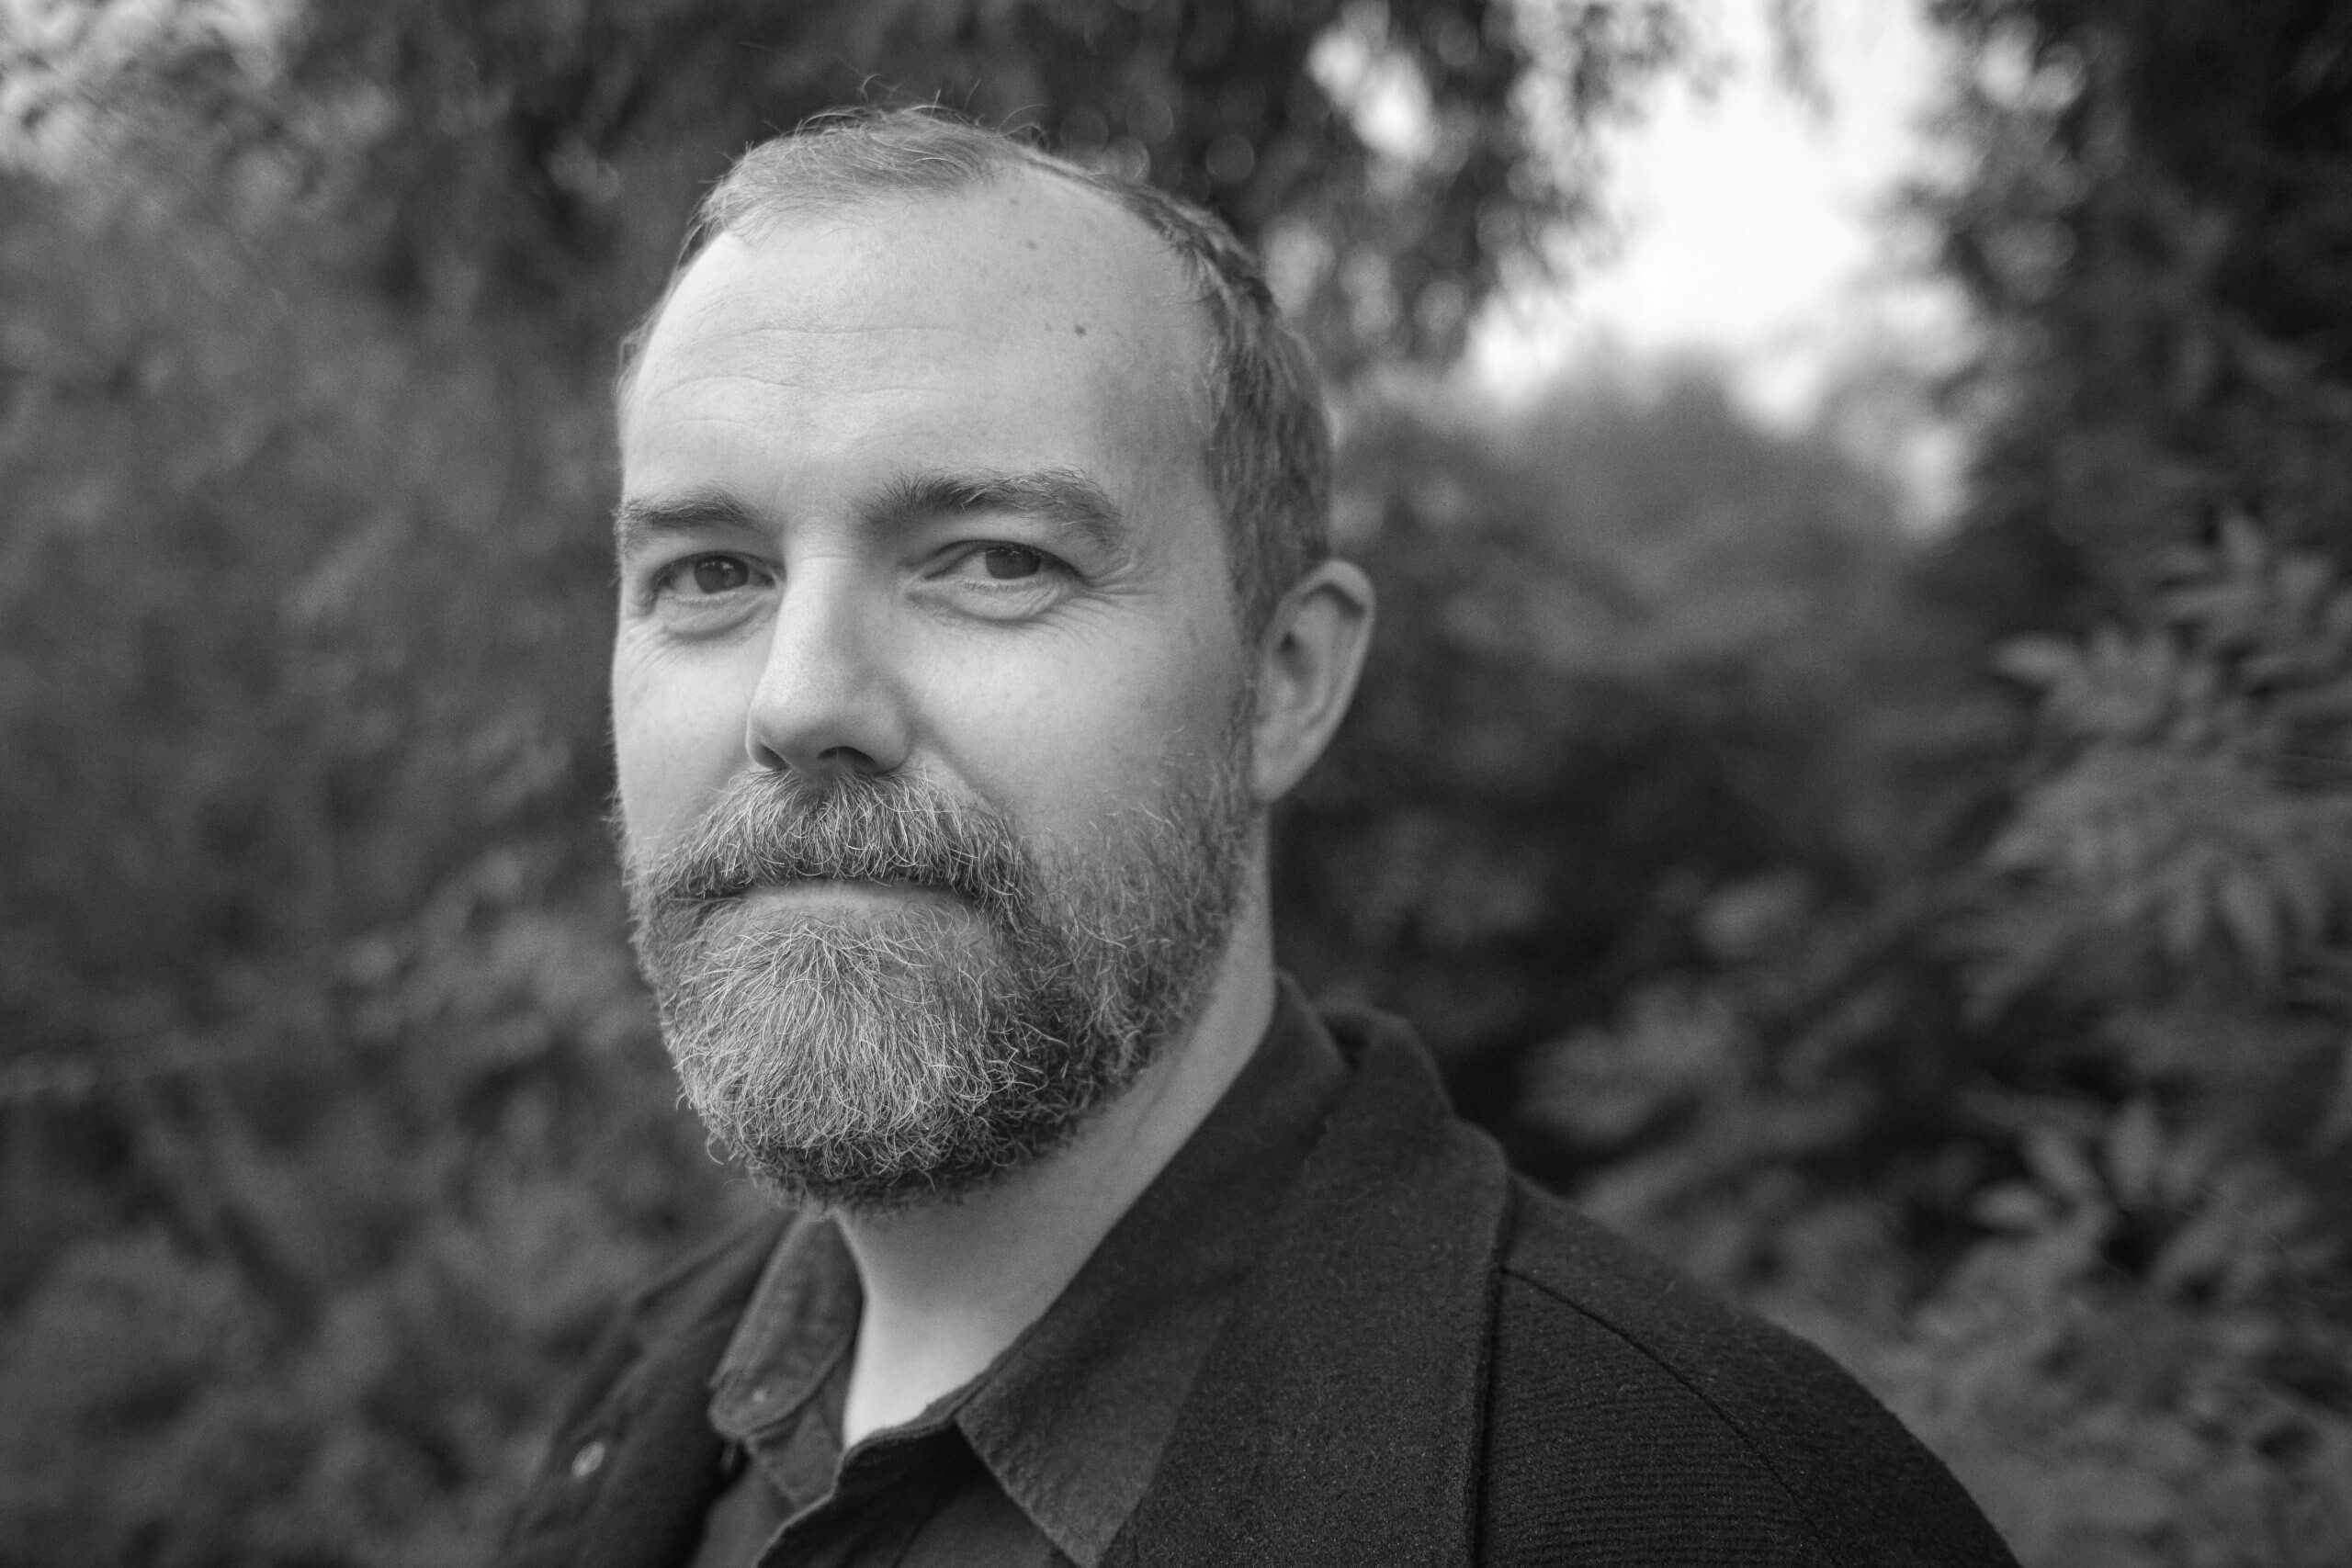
[{"x": 1307, "y": 664}]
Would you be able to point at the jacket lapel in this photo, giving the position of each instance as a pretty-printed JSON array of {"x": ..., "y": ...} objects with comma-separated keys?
[
  {"x": 660, "y": 1465},
  {"x": 666, "y": 1472},
  {"x": 1337, "y": 1418}
]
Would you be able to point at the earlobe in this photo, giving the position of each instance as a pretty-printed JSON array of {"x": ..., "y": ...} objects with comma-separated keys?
[{"x": 1309, "y": 662}]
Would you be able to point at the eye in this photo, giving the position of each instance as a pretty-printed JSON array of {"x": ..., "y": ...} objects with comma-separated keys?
[
  {"x": 993, "y": 565},
  {"x": 1000, "y": 582},
  {"x": 1011, "y": 563},
  {"x": 716, "y": 574},
  {"x": 707, "y": 577}
]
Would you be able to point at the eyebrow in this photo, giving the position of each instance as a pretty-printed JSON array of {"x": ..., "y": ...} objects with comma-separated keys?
[
  {"x": 639, "y": 520},
  {"x": 1063, "y": 498}
]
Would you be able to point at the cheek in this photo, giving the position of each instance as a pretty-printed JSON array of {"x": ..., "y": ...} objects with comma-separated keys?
[
  {"x": 677, "y": 738},
  {"x": 1064, "y": 747}
]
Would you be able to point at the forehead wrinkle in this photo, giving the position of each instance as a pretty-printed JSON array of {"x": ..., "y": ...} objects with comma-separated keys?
[
  {"x": 1145, "y": 362},
  {"x": 1083, "y": 253}
]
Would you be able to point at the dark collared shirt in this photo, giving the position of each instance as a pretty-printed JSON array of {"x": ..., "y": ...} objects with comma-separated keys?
[{"x": 1040, "y": 1458}]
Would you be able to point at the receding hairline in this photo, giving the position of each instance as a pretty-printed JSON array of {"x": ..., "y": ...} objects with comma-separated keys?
[
  {"x": 841, "y": 201},
  {"x": 821, "y": 190}
]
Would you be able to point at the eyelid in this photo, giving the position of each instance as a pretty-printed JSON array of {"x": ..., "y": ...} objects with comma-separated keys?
[
  {"x": 958, "y": 584},
  {"x": 972, "y": 549},
  {"x": 662, "y": 577}
]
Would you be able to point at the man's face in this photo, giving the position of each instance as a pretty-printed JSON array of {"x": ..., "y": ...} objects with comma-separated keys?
[{"x": 929, "y": 692}]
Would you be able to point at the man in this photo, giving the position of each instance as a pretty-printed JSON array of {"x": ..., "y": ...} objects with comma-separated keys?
[{"x": 976, "y": 606}]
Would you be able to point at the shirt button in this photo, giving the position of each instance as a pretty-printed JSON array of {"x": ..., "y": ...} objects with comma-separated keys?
[{"x": 587, "y": 1461}]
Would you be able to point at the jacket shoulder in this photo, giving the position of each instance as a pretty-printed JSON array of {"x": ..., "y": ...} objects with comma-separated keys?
[
  {"x": 1632, "y": 1413},
  {"x": 625, "y": 1458}
]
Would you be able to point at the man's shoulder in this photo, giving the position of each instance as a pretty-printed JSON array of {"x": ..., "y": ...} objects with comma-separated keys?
[
  {"x": 1626, "y": 1397},
  {"x": 1565, "y": 1273}
]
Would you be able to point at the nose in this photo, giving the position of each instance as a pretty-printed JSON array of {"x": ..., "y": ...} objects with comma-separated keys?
[{"x": 827, "y": 703}]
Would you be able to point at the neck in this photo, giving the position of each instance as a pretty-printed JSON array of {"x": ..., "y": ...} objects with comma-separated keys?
[{"x": 948, "y": 1286}]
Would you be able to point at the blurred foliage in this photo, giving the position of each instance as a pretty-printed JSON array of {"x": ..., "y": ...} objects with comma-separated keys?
[
  {"x": 2159, "y": 221},
  {"x": 1940, "y": 943},
  {"x": 2044, "y": 1121}
]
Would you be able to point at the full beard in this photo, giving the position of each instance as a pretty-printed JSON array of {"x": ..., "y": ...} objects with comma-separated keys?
[{"x": 916, "y": 1048}]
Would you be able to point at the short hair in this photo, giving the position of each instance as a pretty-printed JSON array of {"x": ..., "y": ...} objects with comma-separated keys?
[{"x": 1269, "y": 447}]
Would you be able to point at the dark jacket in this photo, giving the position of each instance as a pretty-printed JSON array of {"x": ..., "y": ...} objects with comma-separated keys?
[{"x": 1434, "y": 1363}]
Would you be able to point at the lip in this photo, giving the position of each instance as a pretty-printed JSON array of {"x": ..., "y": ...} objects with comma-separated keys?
[{"x": 809, "y": 892}]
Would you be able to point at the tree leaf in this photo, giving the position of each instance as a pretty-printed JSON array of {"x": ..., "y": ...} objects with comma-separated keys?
[{"x": 2135, "y": 1146}]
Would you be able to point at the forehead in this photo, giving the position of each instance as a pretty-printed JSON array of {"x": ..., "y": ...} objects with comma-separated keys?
[{"x": 1029, "y": 313}]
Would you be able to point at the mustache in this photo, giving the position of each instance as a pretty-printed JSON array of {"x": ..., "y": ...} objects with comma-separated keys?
[{"x": 771, "y": 828}]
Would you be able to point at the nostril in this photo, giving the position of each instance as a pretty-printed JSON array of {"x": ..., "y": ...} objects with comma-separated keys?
[
  {"x": 849, "y": 759},
  {"x": 842, "y": 759}
]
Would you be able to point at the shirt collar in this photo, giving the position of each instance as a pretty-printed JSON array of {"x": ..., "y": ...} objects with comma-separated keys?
[
  {"x": 777, "y": 1389},
  {"x": 1071, "y": 1417}
]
